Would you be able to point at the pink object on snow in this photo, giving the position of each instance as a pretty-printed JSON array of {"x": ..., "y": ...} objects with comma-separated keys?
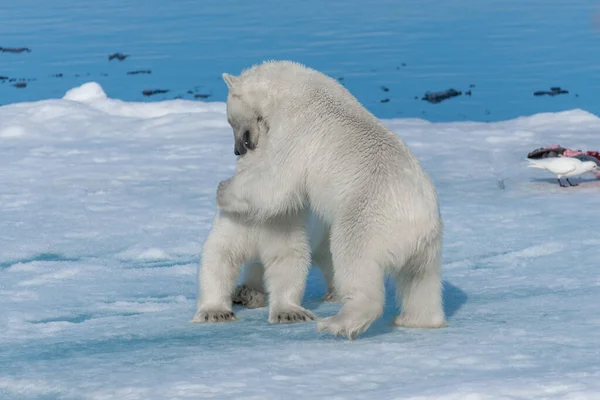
[
  {"x": 574, "y": 153},
  {"x": 571, "y": 153}
]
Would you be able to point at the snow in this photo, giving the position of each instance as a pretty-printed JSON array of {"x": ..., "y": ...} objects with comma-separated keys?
[{"x": 104, "y": 206}]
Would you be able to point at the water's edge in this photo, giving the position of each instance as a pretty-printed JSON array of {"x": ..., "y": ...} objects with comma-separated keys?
[{"x": 389, "y": 54}]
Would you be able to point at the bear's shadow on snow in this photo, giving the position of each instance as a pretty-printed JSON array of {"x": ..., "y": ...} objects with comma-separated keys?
[{"x": 454, "y": 298}]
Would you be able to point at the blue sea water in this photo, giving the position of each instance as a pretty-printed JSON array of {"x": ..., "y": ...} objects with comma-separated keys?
[{"x": 507, "y": 49}]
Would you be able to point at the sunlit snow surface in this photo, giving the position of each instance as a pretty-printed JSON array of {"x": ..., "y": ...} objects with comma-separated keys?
[{"x": 104, "y": 206}]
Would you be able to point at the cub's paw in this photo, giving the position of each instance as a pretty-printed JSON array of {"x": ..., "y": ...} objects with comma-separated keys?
[
  {"x": 205, "y": 316},
  {"x": 247, "y": 297},
  {"x": 289, "y": 315}
]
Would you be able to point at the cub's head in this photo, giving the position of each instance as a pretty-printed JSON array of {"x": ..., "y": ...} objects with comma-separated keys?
[{"x": 243, "y": 114}]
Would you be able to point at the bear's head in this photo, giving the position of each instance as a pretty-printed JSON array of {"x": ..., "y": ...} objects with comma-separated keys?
[{"x": 244, "y": 116}]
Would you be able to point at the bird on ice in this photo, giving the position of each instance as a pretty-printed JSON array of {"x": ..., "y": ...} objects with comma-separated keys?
[{"x": 563, "y": 167}]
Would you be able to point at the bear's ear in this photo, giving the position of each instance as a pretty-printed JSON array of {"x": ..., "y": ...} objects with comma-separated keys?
[{"x": 229, "y": 79}]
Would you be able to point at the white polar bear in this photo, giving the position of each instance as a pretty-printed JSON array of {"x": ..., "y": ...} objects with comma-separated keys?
[
  {"x": 307, "y": 141},
  {"x": 279, "y": 248}
]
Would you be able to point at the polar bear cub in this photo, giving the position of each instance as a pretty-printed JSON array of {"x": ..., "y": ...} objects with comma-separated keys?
[
  {"x": 308, "y": 141},
  {"x": 279, "y": 254}
]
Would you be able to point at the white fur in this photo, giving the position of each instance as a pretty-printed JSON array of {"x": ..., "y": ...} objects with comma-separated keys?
[
  {"x": 316, "y": 146},
  {"x": 278, "y": 248},
  {"x": 252, "y": 293}
]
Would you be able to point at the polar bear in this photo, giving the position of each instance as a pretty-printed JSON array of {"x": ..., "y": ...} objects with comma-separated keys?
[
  {"x": 278, "y": 251},
  {"x": 308, "y": 142}
]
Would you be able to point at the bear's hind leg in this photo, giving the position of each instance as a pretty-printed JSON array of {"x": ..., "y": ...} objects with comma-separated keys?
[
  {"x": 419, "y": 285},
  {"x": 362, "y": 283}
]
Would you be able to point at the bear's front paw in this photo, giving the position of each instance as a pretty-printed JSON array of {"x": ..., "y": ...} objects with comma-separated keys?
[
  {"x": 222, "y": 193},
  {"x": 248, "y": 297},
  {"x": 205, "y": 316},
  {"x": 290, "y": 314}
]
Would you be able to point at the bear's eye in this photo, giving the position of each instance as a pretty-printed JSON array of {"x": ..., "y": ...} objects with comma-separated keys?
[{"x": 247, "y": 139}]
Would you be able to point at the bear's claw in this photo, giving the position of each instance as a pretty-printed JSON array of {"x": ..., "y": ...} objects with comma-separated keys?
[
  {"x": 288, "y": 316},
  {"x": 213, "y": 316}
]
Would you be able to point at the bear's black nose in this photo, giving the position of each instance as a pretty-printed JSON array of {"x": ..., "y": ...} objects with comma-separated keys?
[{"x": 239, "y": 149}]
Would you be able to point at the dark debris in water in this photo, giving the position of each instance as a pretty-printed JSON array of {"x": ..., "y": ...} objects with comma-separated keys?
[
  {"x": 118, "y": 56},
  {"x": 10, "y": 80},
  {"x": 197, "y": 94},
  {"x": 556, "y": 90},
  {"x": 151, "y": 92},
  {"x": 20, "y": 85},
  {"x": 438, "y": 97},
  {"x": 57, "y": 75},
  {"x": 15, "y": 50},
  {"x": 139, "y": 71},
  {"x": 385, "y": 89},
  {"x": 384, "y": 101}
]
